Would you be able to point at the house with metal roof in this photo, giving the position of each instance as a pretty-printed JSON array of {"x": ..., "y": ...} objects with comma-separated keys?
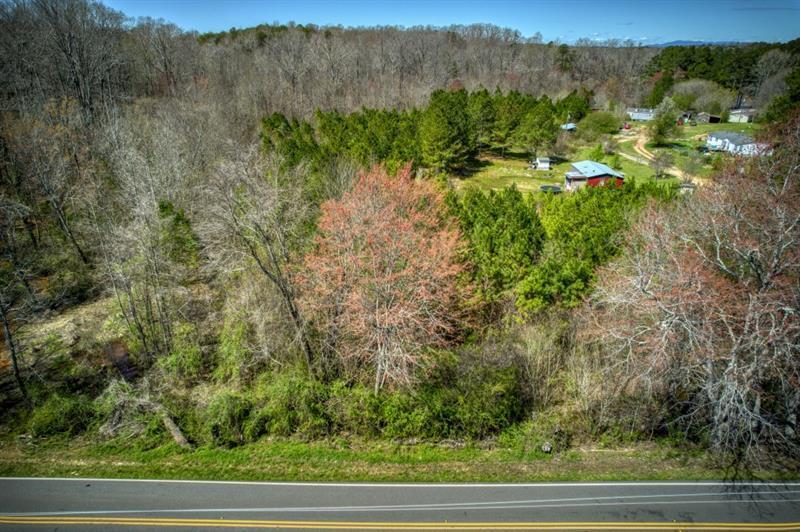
[
  {"x": 734, "y": 143},
  {"x": 591, "y": 174},
  {"x": 637, "y": 113}
]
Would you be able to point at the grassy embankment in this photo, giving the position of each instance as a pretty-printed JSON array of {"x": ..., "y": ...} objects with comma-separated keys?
[{"x": 358, "y": 460}]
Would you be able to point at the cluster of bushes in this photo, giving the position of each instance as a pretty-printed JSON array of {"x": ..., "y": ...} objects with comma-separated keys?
[
  {"x": 546, "y": 254},
  {"x": 62, "y": 414},
  {"x": 453, "y": 402},
  {"x": 582, "y": 233}
]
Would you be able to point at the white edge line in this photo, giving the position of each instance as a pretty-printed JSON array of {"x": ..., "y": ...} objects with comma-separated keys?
[
  {"x": 419, "y": 485},
  {"x": 619, "y": 500}
]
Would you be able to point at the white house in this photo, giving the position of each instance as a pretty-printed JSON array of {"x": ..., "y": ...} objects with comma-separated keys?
[
  {"x": 641, "y": 114},
  {"x": 734, "y": 143},
  {"x": 741, "y": 116}
]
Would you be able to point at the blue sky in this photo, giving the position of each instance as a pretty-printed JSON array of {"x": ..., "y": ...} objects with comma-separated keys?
[{"x": 650, "y": 21}]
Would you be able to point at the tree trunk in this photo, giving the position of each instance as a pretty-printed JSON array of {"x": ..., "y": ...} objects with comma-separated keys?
[
  {"x": 379, "y": 369},
  {"x": 62, "y": 221},
  {"x": 175, "y": 431},
  {"x": 12, "y": 349}
]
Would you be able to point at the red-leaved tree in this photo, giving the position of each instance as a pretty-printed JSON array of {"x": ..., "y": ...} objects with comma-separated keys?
[{"x": 383, "y": 281}]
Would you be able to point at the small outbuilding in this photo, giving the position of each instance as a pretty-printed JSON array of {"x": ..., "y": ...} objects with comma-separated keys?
[
  {"x": 591, "y": 174},
  {"x": 642, "y": 114},
  {"x": 541, "y": 163},
  {"x": 707, "y": 118},
  {"x": 569, "y": 126},
  {"x": 741, "y": 116}
]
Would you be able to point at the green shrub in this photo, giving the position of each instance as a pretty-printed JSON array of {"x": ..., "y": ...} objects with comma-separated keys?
[
  {"x": 473, "y": 394},
  {"x": 61, "y": 414},
  {"x": 289, "y": 403},
  {"x": 225, "y": 418},
  {"x": 354, "y": 409},
  {"x": 185, "y": 360},
  {"x": 489, "y": 404},
  {"x": 404, "y": 416},
  {"x": 599, "y": 123},
  {"x": 527, "y": 438},
  {"x": 193, "y": 421},
  {"x": 232, "y": 353},
  {"x": 177, "y": 236}
]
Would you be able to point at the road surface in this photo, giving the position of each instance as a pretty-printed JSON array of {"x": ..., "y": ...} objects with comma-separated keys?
[{"x": 79, "y": 504}]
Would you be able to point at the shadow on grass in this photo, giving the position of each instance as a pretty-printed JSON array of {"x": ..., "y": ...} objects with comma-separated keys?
[
  {"x": 473, "y": 167},
  {"x": 507, "y": 154}
]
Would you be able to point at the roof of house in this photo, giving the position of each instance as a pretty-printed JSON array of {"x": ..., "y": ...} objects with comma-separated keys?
[
  {"x": 543, "y": 159},
  {"x": 743, "y": 111},
  {"x": 593, "y": 169},
  {"x": 640, "y": 110},
  {"x": 569, "y": 125},
  {"x": 737, "y": 139}
]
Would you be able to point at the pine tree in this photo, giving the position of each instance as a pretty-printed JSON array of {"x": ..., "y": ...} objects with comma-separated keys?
[
  {"x": 447, "y": 139},
  {"x": 538, "y": 128},
  {"x": 510, "y": 108},
  {"x": 482, "y": 113}
]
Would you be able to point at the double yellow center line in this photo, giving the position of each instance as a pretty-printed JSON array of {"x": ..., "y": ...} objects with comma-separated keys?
[{"x": 362, "y": 525}]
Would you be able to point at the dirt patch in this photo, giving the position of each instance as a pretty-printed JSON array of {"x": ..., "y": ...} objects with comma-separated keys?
[{"x": 117, "y": 353}]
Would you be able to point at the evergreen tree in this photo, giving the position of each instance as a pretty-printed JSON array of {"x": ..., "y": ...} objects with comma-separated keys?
[
  {"x": 293, "y": 140},
  {"x": 447, "y": 140},
  {"x": 660, "y": 89},
  {"x": 505, "y": 238},
  {"x": 482, "y": 113},
  {"x": 510, "y": 108},
  {"x": 538, "y": 128},
  {"x": 574, "y": 106}
]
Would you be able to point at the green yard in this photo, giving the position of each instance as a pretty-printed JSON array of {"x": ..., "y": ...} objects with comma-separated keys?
[
  {"x": 690, "y": 132},
  {"x": 497, "y": 173}
]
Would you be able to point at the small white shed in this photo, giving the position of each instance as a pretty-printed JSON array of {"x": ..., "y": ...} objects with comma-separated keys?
[
  {"x": 541, "y": 163},
  {"x": 741, "y": 116}
]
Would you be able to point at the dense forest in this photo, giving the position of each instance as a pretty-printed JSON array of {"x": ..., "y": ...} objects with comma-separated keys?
[{"x": 258, "y": 234}]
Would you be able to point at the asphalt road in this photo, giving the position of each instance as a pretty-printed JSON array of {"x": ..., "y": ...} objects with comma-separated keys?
[{"x": 78, "y": 504}]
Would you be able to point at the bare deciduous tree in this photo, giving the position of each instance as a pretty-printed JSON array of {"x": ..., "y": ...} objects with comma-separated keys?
[
  {"x": 255, "y": 215},
  {"x": 702, "y": 314}
]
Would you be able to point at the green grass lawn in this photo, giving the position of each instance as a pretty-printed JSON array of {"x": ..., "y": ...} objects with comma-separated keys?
[
  {"x": 689, "y": 132},
  {"x": 494, "y": 172},
  {"x": 344, "y": 460},
  {"x": 627, "y": 147}
]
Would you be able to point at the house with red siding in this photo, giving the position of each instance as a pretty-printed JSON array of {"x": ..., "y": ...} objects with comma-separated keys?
[{"x": 592, "y": 174}]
